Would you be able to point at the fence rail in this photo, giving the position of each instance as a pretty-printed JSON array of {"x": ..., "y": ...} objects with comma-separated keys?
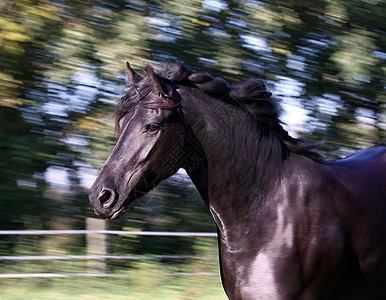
[
  {"x": 117, "y": 232},
  {"x": 65, "y": 275},
  {"x": 98, "y": 257},
  {"x": 76, "y": 257}
]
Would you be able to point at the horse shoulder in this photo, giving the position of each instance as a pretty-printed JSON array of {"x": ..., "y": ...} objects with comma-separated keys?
[
  {"x": 306, "y": 240},
  {"x": 323, "y": 217},
  {"x": 319, "y": 230},
  {"x": 363, "y": 176}
]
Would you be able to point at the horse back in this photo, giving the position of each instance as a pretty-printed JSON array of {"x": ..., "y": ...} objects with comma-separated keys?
[{"x": 363, "y": 174}]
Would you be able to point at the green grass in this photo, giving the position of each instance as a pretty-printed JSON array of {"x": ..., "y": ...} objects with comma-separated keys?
[{"x": 148, "y": 281}]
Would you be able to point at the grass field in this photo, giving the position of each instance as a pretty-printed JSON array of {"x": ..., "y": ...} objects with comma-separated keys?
[
  {"x": 95, "y": 289},
  {"x": 145, "y": 283}
]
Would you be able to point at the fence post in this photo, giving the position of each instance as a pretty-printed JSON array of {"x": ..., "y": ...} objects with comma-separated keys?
[{"x": 96, "y": 245}]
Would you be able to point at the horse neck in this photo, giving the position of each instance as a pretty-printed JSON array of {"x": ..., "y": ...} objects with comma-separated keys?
[{"x": 243, "y": 157}]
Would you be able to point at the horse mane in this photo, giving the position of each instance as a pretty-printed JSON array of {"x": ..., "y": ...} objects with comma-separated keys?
[{"x": 251, "y": 96}]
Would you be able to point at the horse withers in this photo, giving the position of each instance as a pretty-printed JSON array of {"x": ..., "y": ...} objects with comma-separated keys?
[{"x": 291, "y": 225}]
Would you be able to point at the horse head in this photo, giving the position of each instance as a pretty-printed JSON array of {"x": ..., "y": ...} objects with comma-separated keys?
[{"x": 150, "y": 146}]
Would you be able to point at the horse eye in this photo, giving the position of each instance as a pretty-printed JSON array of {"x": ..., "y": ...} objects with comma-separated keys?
[{"x": 152, "y": 127}]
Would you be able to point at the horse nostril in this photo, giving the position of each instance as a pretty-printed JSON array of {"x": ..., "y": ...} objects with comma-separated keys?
[{"x": 107, "y": 198}]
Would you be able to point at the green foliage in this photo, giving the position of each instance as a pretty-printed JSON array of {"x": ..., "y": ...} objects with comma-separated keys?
[{"x": 62, "y": 68}]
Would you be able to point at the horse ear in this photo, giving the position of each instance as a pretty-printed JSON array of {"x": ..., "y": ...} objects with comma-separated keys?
[
  {"x": 154, "y": 80},
  {"x": 131, "y": 76}
]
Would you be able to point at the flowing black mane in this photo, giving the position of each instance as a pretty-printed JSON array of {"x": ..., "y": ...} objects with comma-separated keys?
[{"x": 251, "y": 96}]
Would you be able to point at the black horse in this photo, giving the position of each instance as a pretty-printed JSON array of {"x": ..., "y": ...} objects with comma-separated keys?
[{"x": 290, "y": 224}]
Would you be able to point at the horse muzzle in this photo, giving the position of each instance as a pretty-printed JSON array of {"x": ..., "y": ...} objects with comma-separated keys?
[{"x": 107, "y": 203}]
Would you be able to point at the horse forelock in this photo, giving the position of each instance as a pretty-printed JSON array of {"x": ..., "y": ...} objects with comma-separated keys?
[
  {"x": 137, "y": 94},
  {"x": 130, "y": 99}
]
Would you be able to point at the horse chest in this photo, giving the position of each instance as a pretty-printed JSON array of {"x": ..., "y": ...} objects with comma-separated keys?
[
  {"x": 258, "y": 279},
  {"x": 256, "y": 268}
]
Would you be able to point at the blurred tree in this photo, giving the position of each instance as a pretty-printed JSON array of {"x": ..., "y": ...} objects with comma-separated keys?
[
  {"x": 28, "y": 142},
  {"x": 62, "y": 68}
]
